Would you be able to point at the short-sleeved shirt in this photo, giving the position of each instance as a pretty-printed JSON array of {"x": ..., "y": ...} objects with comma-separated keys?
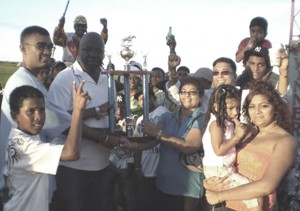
[
  {"x": 172, "y": 176},
  {"x": 150, "y": 157},
  {"x": 93, "y": 156},
  {"x": 57, "y": 120},
  {"x": 28, "y": 163}
]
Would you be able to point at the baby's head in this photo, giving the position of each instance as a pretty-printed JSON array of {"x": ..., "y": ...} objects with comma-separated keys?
[
  {"x": 258, "y": 28},
  {"x": 27, "y": 109}
]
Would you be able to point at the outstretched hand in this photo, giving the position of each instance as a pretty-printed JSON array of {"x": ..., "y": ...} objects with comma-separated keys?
[{"x": 79, "y": 96}]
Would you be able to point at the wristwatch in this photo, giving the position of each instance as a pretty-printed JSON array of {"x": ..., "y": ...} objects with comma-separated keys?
[{"x": 97, "y": 110}]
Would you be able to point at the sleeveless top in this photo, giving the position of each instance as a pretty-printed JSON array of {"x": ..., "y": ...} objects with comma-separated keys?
[{"x": 253, "y": 162}]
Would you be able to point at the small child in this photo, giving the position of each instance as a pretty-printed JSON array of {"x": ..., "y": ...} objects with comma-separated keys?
[
  {"x": 223, "y": 131},
  {"x": 258, "y": 32},
  {"x": 29, "y": 159}
]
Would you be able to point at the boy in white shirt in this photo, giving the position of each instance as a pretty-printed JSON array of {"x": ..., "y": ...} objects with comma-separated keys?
[{"x": 29, "y": 159}]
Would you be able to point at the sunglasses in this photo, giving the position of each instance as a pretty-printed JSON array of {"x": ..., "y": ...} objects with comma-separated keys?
[{"x": 226, "y": 72}]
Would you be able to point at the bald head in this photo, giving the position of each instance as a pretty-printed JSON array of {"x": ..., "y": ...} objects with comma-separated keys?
[{"x": 91, "y": 51}]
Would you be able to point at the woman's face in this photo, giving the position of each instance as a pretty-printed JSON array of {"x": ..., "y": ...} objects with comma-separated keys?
[
  {"x": 189, "y": 97},
  {"x": 261, "y": 111}
]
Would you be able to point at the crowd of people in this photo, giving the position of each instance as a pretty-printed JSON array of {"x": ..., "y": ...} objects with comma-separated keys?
[{"x": 58, "y": 154}]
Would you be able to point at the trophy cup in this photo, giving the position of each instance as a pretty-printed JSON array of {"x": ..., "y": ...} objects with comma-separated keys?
[{"x": 127, "y": 54}]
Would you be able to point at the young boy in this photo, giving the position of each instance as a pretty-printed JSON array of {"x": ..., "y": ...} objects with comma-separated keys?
[
  {"x": 258, "y": 32},
  {"x": 29, "y": 159}
]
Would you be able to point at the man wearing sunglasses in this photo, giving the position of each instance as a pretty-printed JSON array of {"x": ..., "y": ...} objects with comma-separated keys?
[{"x": 224, "y": 72}]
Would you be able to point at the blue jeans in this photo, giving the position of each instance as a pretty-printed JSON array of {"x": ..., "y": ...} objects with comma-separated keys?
[{"x": 79, "y": 190}]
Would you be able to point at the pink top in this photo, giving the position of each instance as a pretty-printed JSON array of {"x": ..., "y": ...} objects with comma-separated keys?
[{"x": 252, "y": 162}]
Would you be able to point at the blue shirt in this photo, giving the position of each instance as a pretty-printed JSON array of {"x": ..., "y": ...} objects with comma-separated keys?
[{"x": 172, "y": 176}]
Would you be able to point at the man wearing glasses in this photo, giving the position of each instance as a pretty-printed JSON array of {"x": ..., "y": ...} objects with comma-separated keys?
[{"x": 36, "y": 48}]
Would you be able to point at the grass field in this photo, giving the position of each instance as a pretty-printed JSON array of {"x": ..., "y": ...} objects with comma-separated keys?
[{"x": 6, "y": 70}]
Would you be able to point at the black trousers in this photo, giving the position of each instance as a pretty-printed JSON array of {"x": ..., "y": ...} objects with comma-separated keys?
[
  {"x": 167, "y": 202},
  {"x": 79, "y": 190}
]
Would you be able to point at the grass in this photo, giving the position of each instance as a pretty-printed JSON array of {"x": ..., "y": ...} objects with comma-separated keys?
[{"x": 6, "y": 70}]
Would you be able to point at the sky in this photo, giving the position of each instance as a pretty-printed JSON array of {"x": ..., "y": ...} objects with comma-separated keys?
[{"x": 204, "y": 30}]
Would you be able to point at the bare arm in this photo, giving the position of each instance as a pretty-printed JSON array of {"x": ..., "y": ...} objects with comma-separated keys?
[
  {"x": 190, "y": 144},
  {"x": 220, "y": 146},
  {"x": 283, "y": 81},
  {"x": 97, "y": 112},
  {"x": 173, "y": 62},
  {"x": 71, "y": 148},
  {"x": 240, "y": 56},
  {"x": 271, "y": 179}
]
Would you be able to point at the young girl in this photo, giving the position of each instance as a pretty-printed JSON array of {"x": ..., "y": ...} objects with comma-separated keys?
[{"x": 223, "y": 131}]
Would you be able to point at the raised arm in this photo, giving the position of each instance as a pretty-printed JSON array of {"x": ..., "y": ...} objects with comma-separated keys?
[
  {"x": 71, "y": 147},
  {"x": 220, "y": 146},
  {"x": 283, "y": 81},
  {"x": 104, "y": 32},
  {"x": 59, "y": 35}
]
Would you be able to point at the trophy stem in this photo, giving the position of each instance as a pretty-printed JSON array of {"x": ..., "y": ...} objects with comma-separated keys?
[{"x": 111, "y": 101}]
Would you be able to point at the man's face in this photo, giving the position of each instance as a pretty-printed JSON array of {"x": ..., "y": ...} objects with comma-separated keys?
[
  {"x": 80, "y": 29},
  {"x": 223, "y": 74},
  {"x": 182, "y": 74},
  {"x": 258, "y": 67},
  {"x": 37, "y": 50},
  {"x": 91, "y": 52}
]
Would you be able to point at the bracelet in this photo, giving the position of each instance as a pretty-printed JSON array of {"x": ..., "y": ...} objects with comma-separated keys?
[{"x": 158, "y": 135}]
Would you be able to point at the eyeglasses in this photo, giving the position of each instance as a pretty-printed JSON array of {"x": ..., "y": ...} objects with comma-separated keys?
[
  {"x": 188, "y": 93},
  {"x": 216, "y": 73},
  {"x": 42, "y": 46}
]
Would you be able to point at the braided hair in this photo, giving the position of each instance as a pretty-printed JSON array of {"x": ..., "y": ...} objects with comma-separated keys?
[{"x": 218, "y": 97}]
